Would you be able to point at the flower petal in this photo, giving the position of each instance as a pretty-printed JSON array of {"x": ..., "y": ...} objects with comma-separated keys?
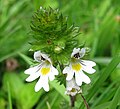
[
  {"x": 32, "y": 77},
  {"x": 42, "y": 82},
  {"x": 78, "y": 79},
  {"x": 32, "y": 70},
  {"x": 45, "y": 84},
  {"x": 84, "y": 77},
  {"x": 89, "y": 70},
  {"x": 54, "y": 70},
  {"x": 69, "y": 72},
  {"x": 69, "y": 75},
  {"x": 71, "y": 84},
  {"x": 38, "y": 85},
  {"x": 66, "y": 70},
  {"x": 37, "y": 56},
  {"x": 51, "y": 76},
  {"x": 82, "y": 52},
  {"x": 88, "y": 63}
]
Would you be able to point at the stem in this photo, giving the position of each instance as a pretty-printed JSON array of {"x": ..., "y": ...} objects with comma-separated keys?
[
  {"x": 72, "y": 99},
  {"x": 85, "y": 102}
]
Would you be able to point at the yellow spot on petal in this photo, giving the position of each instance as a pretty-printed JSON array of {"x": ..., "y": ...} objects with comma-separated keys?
[
  {"x": 45, "y": 71},
  {"x": 76, "y": 67}
]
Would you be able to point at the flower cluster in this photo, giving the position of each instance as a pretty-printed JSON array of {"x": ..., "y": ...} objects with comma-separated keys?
[
  {"x": 75, "y": 74},
  {"x": 45, "y": 71},
  {"x": 55, "y": 43}
]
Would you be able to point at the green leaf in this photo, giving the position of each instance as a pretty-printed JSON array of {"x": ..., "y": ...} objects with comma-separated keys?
[
  {"x": 28, "y": 97},
  {"x": 3, "y": 103},
  {"x": 15, "y": 84},
  {"x": 60, "y": 89},
  {"x": 24, "y": 94}
]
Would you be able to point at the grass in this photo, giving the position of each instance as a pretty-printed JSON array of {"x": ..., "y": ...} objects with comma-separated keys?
[
  {"x": 9, "y": 97},
  {"x": 99, "y": 26}
]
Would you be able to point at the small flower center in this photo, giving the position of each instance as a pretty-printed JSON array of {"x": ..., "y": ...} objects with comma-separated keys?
[
  {"x": 76, "y": 67},
  {"x": 45, "y": 71},
  {"x": 77, "y": 55},
  {"x": 73, "y": 90}
]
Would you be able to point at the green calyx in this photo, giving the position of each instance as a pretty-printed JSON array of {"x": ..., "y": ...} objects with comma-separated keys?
[{"x": 52, "y": 35}]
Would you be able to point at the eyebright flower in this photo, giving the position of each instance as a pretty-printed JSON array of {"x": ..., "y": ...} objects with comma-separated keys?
[
  {"x": 72, "y": 88},
  {"x": 44, "y": 70},
  {"x": 77, "y": 66}
]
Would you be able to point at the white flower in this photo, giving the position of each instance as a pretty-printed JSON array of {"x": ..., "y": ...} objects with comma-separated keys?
[
  {"x": 72, "y": 88},
  {"x": 44, "y": 70},
  {"x": 77, "y": 66}
]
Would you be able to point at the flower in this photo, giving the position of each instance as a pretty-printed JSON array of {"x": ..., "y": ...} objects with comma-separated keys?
[
  {"x": 77, "y": 66},
  {"x": 72, "y": 88},
  {"x": 44, "y": 70}
]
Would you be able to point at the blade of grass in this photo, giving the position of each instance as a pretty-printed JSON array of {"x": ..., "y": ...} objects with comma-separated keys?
[
  {"x": 54, "y": 99},
  {"x": 104, "y": 60},
  {"x": 109, "y": 69},
  {"x": 115, "y": 100},
  {"x": 106, "y": 94},
  {"x": 102, "y": 106},
  {"x": 26, "y": 58},
  {"x": 9, "y": 96}
]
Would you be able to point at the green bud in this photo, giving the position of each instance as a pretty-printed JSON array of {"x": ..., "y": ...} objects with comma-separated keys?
[
  {"x": 57, "y": 49},
  {"x": 60, "y": 45},
  {"x": 52, "y": 35}
]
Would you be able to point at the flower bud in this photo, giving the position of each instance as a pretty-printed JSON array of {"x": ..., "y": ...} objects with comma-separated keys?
[{"x": 59, "y": 47}]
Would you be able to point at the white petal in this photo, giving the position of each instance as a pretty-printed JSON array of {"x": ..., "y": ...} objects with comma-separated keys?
[
  {"x": 89, "y": 70},
  {"x": 45, "y": 84},
  {"x": 32, "y": 70},
  {"x": 73, "y": 93},
  {"x": 42, "y": 82},
  {"x": 54, "y": 70},
  {"x": 66, "y": 70},
  {"x": 69, "y": 72},
  {"x": 38, "y": 85},
  {"x": 78, "y": 79},
  {"x": 32, "y": 77},
  {"x": 82, "y": 52},
  {"x": 51, "y": 76},
  {"x": 71, "y": 84},
  {"x": 37, "y": 56},
  {"x": 84, "y": 78},
  {"x": 88, "y": 63},
  {"x": 69, "y": 75}
]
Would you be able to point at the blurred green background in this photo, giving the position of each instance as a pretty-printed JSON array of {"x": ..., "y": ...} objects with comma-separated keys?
[{"x": 99, "y": 22}]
